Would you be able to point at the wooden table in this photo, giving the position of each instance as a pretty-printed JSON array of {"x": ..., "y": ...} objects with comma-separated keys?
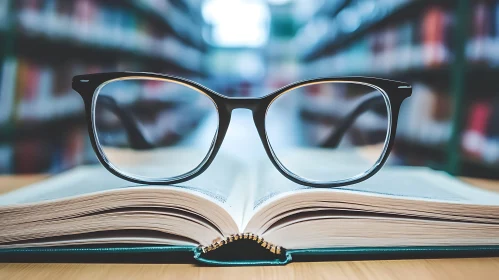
[{"x": 480, "y": 268}]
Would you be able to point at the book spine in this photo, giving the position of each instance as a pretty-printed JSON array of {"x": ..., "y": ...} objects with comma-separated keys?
[
  {"x": 7, "y": 89},
  {"x": 491, "y": 150},
  {"x": 274, "y": 249},
  {"x": 475, "y": 135}
]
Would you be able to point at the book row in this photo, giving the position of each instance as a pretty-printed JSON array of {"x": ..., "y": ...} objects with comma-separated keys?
[
  {"x": 37, "y": 92},
  {"x": 481, "y": 134},
  {"x": 317, "y": 36},
  {"x": 426, "y": 117},
  {"x": 39, "y": 109},
  {"x": 484, "y": 38},
  {"x": 33, "y": 91},
  {"x": 100, "y": 25},
  {"x": 420, "y": 44},
  {"x": 49, "y": 155}
]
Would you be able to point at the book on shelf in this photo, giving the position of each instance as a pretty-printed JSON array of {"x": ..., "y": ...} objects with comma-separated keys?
[
  {"x": 427, "y": 117},
  {"x": 42, "y": 92},
  {"x": 6, "y": 155},
  {"x": 7, "y": 88},
  {"x": 436, "y": 28},
  {"x": 475, "y": 134},
  {"x": 492, "y": 143},
  {"x": 481, "y": 135},
  {"x": 242, "y": 213},
  {"x": 484, "y": 36}
]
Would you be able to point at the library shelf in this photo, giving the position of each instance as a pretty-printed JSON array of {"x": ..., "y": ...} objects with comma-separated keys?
[
  {"x": 36, "y": 126},
  {"x": 330, "y": 44},
  {"x": 166, "y": 40},
  {"x": 31, "y": 28},
  {"x": 65, "y": 47},
  {"x": 465, "y": 77},
  {"x": 170, "y": 19}
]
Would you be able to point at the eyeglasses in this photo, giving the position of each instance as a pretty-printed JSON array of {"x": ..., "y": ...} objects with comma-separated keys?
[{"x": 158, "y": 129}]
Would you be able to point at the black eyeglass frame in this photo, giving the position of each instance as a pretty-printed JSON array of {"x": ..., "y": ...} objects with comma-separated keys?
[{"x": 394, "y": 93}]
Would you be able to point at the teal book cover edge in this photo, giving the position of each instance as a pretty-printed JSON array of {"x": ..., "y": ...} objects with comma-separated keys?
[{"x": 361, "y": 253}]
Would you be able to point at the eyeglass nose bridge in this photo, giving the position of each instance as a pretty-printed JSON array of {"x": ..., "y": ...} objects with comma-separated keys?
[{"x": 252, "y": 104}]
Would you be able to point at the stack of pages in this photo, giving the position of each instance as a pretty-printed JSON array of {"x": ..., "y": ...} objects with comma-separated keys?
[{"x": 400, "y": 209}]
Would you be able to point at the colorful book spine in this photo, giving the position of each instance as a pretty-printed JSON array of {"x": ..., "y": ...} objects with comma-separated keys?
[{"x": 475, "y": 135}]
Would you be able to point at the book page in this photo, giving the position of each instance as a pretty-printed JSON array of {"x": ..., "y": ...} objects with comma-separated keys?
[
  {"x": 216, "y": 183},
  {"x": 416, "y": 183},
  {"x": 91, "y": 199}
]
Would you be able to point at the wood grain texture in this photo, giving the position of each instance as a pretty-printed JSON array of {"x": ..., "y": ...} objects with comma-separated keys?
[
  {"x": 10, "y": 183},
  {"x": 490, "y": 185},
  {"x": 478, "y": 268},
  {"x": 486, "y": 268}
]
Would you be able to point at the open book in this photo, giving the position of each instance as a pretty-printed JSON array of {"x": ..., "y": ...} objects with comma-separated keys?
[{"x": 231, "y": 201}]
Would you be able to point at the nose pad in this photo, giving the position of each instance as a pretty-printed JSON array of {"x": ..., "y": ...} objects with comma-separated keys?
[{"x": 242, "y": 139}]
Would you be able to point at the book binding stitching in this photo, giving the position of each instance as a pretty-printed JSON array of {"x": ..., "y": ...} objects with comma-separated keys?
[{"x": 274, "y": 249}]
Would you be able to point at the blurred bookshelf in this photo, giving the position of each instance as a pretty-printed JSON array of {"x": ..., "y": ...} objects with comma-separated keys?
[
  {"x": 448, "y": 50},
  {"x": 45, "y": 43},
  {"x": 168, "y": 14}
]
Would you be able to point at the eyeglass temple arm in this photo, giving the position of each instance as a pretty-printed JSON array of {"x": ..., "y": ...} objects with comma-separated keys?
[
  {"x": 135, "y": 135},
  {"x": 369, "y": 101}
]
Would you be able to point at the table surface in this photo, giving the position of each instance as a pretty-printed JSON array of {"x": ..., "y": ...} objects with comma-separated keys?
[{"x": 478, "y": 268}]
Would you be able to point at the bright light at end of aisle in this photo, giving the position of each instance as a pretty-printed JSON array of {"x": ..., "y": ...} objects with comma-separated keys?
[
  {"x": 279, "y": 2},
  {"x": 237, "y": 23}
]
